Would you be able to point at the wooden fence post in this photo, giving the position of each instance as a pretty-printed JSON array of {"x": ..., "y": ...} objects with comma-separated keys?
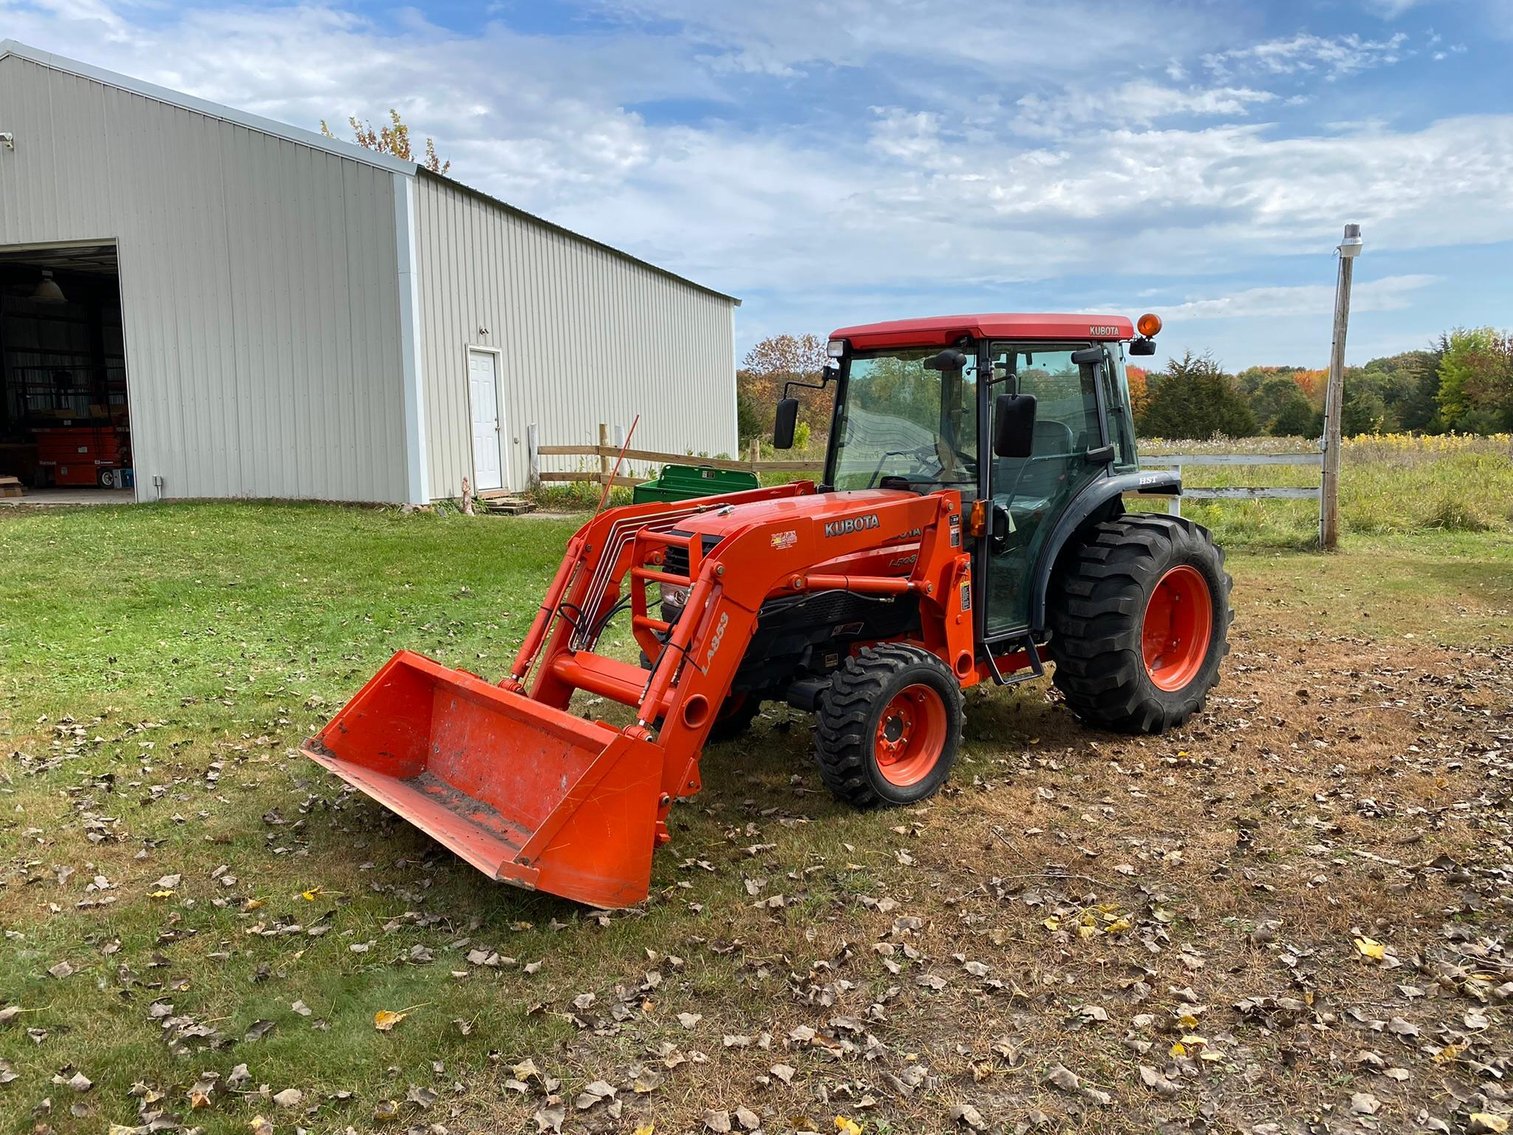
[
  {"x": 533, "y": 456},
  {"x": 1334, "y": 395},
  {"x": 754, "y": 453},
  {"x": 604, "y": 463}
]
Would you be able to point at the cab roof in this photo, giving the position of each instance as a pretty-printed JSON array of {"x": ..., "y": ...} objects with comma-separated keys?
[{"x": 943, "y": 330}]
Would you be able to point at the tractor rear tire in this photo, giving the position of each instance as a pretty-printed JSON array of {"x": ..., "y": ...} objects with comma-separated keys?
[
  {"x": 888, "y": 727},
  {"x": 1140, "y": 623}
]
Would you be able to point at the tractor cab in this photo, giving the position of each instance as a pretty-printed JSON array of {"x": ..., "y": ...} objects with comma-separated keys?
[{"x": 1020, "y": 414}]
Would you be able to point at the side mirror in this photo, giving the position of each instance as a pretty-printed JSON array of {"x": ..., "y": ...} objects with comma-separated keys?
[
  {"x": 1142, "y": 347},
  {"x": 946, "y": 360},
  {"x": 1013, "y": 425},
  {"x": 787, "y": 420}
]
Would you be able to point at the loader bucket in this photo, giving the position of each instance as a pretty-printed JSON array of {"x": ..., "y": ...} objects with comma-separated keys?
[{"x": 525, "y": 792}]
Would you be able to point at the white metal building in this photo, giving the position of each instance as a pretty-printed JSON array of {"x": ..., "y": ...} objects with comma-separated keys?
[{"x": 232, "y": 307}]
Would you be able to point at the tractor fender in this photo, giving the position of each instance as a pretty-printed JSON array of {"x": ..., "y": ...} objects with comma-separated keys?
[{"x": 1095, "y": 498}]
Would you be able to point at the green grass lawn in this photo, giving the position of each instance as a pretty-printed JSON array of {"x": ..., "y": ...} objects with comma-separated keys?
[{"x": 158, "y": 667}]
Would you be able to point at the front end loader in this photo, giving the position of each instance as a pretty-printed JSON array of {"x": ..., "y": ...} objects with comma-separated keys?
[{"x": 970, "y": 526}]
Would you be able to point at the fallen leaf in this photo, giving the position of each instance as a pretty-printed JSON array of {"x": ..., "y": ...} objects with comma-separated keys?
[
  {"x": 1485, "y": 1123},
  {"x": 847, "y": 1126},
  {"x": 257, "y": 1030},
  {"x": 289, "y": 1097},
  {"x": 422, "y": 1098},
  {"x": 200, "y": 1093},
  {"x": 969, "y": 1115},
  {"x": 1364, "y": 1103},
  {"x": 260, "y": 1126},
  {"x": 784, "y": 1072},
  {"x": 1156, "y": 1082},
  {"x": 689, "y": 1020},
  {"x": 384, "y": 1020},
  {"x": 718, "y": 1121},
  {"x": 593, "y": 1094},
  {"x": 1063, "y": 1078},
  {"x": 1371, "y": 948}
]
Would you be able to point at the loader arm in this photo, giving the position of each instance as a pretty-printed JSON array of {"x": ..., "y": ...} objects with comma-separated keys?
[
  {"x": 531, "y": 793},
  {"x": 508, "y": 778}
]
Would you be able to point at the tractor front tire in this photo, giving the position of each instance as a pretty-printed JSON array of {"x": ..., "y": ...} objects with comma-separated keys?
[
  {"x": 888, "y": 727},
  {"x": 737, "y": 712},
  {"x": 1140, "y": 623}
]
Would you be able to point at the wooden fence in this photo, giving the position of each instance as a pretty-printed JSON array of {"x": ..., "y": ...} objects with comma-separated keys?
[
  {"x": 604, "y": 456},
  {"x": 1178, "y": 460}
]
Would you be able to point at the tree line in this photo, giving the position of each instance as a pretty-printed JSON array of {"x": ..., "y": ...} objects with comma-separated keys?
[{"x": 1461, "y": 383}]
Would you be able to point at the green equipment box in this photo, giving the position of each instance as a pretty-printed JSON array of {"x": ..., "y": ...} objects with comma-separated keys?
[{"x": 683, "y": 482}]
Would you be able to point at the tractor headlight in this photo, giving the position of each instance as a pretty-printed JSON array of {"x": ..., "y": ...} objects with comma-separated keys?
[
  {"x": 673, "y": 599},
  {"x": 835, "y": 348}
]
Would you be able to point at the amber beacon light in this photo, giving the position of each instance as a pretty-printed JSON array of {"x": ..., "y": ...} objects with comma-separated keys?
[{"x": 1149, "y": 324}]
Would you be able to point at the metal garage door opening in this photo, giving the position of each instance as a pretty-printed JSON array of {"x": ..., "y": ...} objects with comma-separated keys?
[{"x": 64, "y": 423}]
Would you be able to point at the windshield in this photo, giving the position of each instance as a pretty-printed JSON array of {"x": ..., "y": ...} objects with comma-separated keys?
[{"x": 903, "y": 419}]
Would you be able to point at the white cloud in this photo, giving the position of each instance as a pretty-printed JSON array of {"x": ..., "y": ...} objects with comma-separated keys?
[
  {"x": 909, "y": 185},
  {"x": 1139, "y": 102},
  {"x": 1332, "y": 56},
  {"x": 942, "y": 39},
  {"x": 1392, "y": 9},
  {"x": 1391, "y": 293}
]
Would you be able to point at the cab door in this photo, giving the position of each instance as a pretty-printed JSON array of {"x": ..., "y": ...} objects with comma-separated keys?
[{"x": 1028, "y": 495}]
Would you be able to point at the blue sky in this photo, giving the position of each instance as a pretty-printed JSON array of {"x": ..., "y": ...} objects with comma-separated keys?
[{"x": 837, "y": 161}]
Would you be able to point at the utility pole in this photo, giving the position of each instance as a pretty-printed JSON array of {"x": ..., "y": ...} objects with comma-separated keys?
[{"x": 1334, "y": 395}]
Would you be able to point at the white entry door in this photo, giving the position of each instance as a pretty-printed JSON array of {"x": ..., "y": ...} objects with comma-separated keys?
[{"x": 483, "y": 388}]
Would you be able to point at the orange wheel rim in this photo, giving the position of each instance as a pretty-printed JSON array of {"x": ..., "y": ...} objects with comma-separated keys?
[
  {"x": 911, "y": 735},
  {"x": 1179, "y": 625}
]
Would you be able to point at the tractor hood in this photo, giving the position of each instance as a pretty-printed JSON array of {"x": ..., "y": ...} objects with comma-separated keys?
[{"x": 815, "y": 517}]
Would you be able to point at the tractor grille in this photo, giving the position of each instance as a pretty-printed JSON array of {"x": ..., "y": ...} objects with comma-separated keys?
[{"x": 676, "y": 562}]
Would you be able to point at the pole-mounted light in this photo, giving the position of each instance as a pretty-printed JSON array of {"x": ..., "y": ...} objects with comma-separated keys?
[{"x": 1350, "y": 247}]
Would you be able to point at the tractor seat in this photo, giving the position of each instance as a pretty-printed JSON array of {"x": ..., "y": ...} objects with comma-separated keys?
[{"x": 1036, "y": 478}]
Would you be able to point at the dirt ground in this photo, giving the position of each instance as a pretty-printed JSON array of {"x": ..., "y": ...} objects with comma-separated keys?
[{"x": 1289, "y": 916}]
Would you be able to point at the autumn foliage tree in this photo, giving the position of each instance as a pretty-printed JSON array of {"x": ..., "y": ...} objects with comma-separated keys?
[
  {"x": 1476, "y": 380},
  {"x": 393, "y": 139},
  {"x": 1139, "y": 389},
  {"x": 1194, "y": 398},
  {"x": 767, "y": 367}
]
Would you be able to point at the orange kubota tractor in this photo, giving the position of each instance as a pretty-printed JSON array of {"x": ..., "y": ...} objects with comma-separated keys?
[{"x": 971, "y": 522}]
